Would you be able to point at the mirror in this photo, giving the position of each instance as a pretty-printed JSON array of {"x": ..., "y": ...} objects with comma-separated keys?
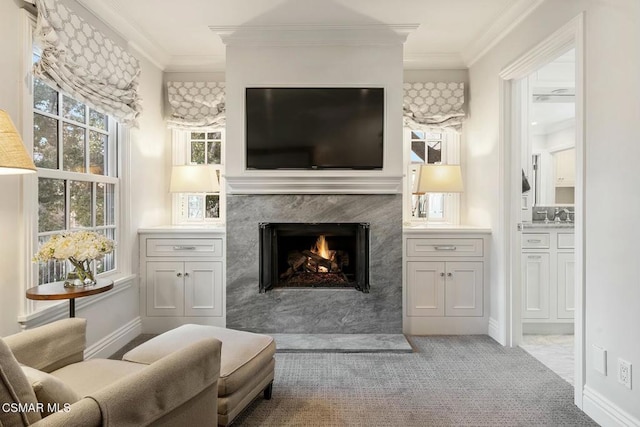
[{"x": 549, "y": 154}]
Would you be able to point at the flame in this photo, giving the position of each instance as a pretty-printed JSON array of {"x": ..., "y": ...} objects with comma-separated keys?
[{"x": 322, "y": 248}]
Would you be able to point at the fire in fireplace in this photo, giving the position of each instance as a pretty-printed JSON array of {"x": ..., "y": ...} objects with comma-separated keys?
[{"x": 316, "y": 255}]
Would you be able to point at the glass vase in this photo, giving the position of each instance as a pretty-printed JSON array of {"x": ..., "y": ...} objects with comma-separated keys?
[{"x": 81, "y": 275}]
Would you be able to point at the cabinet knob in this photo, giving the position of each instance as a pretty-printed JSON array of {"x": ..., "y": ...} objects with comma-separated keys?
[
  {"x": 441, "y": 274},
  {"x": 179, "y": 274},
  {"x": 186, "y": 274},
  {"x": 449, "y": 274}
]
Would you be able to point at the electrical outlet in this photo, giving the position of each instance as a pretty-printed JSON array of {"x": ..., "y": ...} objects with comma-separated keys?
[{"x": 624, "y": 373}]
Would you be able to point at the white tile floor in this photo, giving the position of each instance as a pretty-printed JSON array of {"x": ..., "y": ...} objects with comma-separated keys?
[{"x": 554, "y": 351}]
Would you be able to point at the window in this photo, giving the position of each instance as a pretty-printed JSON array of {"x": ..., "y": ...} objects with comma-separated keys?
[
  {"x": 200, "y": 148},
  {"x": 75, "y": 150},
  {"x": 427, "y": 148}
]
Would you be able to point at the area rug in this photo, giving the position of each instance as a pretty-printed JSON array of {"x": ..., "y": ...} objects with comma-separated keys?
[{"x": 447, "y": 381}]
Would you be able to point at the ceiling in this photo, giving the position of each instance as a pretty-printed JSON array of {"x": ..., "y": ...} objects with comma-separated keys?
[
  {"x": 553, "y": 101},
  {"x": 175, "y": 35}
]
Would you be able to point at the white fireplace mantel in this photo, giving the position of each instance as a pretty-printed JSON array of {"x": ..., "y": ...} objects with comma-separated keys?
[{"x": 313, "y": 184}]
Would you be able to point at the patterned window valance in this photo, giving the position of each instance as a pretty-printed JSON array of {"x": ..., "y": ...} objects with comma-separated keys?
[
  {"x": 433, "y": 105},
  {"x": 196, "y": 104},
  {"x": 86, "y": 64}
]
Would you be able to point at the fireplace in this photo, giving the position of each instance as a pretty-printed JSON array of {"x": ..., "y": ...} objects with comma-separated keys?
[{"x": 314, "y": 255}]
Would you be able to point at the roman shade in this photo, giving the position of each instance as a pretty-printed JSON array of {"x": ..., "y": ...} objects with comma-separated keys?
[
  {"x": 85, "y": 64},
  {"x": 432, "y": 105},
  {"x": 196, "y": 105}
]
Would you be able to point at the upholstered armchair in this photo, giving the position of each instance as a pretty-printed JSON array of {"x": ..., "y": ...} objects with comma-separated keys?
[{"x": 44, "y": 380}]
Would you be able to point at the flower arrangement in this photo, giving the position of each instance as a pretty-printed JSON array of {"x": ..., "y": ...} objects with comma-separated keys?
[{"x": 80, "y": 248}]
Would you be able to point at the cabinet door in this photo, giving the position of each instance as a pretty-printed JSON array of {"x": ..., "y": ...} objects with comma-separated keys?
[
  {"x": 535, "y": 285},
  {"x": 203, "y": 288},
  {"x": 165, "y": 288},
  {"x": 464, "y": 289},
  {"x": 565, "y": 168},
  {"x": 425, "y": 288},
  {"x": 566, "y": 285}
]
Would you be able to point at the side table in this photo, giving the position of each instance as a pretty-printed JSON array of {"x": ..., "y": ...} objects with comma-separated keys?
[{"x": 57, "y": 290}]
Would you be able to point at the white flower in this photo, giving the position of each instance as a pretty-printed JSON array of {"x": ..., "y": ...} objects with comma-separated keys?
[{"x": 79, "y": 245}]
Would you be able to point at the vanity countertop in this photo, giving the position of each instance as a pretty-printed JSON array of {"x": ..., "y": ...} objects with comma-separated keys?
[{"x": 548, "y": 225}]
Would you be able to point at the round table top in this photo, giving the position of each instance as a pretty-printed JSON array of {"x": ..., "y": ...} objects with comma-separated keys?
[{"x": 57, "y": 290}]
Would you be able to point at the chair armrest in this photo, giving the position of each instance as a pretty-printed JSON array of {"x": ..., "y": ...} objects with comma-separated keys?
[
  {"x": 163, "y": 386},
  {"x": 51, "y": 346},
  {"x": 83, "y": 413}
]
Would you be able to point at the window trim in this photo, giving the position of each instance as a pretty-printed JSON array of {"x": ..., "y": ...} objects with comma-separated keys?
[{"x": 31, "y": 309}]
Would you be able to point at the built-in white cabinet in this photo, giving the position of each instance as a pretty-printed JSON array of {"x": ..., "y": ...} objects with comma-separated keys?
[
  {"x": 565, "y": 162},
  {"x": 547, "y": 284},
  {"x": 445, "y": 281},
  {"x": 182, "y": 278}
]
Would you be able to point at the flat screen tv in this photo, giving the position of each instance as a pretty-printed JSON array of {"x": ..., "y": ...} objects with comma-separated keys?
[{"x": 314, "y": 128}]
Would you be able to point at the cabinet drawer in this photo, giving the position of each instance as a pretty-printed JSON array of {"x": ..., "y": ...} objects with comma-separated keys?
[
  {"x": 535, "y": 241},
  {"x": 444, "y": 247},
  {"x": 565, "y": 241},
  {"x": 184, "y": 247}
]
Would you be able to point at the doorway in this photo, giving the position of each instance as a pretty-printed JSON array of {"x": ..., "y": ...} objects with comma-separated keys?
[
  {"x": 547, "y": 216},
  {"x": 518, "y": 207}
]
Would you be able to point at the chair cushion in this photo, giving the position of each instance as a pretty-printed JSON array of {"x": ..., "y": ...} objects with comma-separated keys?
[
  {"x": 89, "y": 376},
  {"x": 16, "y": 392},
  {"x": 50, "y": 391},
  {"x": 244, "y": 354}
]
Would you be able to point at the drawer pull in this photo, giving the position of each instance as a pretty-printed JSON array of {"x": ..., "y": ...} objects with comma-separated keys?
[
  {"x": 534, "y": 256},
  {"x": 184, "y": 248},
  {"x": 534, "y": 241},
  {"x": 445, "y": 248}
]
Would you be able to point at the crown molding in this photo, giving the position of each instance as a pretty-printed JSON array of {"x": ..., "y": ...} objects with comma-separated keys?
[
  {"x": 503, "y": 25},
  {"x": 314, "y": 35},
  {"x": 196, "y": 63},
  {"x": 435, "y": 61},
  {"x": 136, "y": 39}
]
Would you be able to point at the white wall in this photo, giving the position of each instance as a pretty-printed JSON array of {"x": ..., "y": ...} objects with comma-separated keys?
[
  {"x": 612, "y": 37},
  {"x": 10, "y": 186},
  {"x": 113, "y": 317}
]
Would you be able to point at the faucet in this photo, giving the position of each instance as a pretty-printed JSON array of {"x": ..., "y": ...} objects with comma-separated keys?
[{"x": 557, "y": 215}]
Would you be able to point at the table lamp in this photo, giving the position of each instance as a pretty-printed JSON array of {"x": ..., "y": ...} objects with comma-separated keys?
[
  {"x": 194, "y": 179},
  {"x": 14, "y": 158},
  {"x": 434, "y": 178}
]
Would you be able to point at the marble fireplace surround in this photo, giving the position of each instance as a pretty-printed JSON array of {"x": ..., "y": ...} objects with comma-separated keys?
[{"x": 315, "y": 311}]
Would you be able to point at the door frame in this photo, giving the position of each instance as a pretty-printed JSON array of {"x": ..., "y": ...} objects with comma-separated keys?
[{"x": 512, "y": 110}]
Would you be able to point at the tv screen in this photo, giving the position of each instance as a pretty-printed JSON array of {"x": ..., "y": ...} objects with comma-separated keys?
[{"x": 314, "y": 128}]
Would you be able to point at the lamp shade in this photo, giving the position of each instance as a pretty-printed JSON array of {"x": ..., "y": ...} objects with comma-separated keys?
[
  {"x": 14, "y": 158},
  {"x": 194, "y": 179},
  {"x": 438, "y": 179}
]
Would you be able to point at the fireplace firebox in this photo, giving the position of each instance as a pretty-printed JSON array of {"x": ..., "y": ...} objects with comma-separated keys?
[{"x": 314, "y": 255}]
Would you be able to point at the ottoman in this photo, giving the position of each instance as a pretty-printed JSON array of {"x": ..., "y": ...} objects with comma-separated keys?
[{"x": 246, "y": 363}]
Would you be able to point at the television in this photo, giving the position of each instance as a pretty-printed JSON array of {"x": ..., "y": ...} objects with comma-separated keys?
[{"x": 314, "y": 128}]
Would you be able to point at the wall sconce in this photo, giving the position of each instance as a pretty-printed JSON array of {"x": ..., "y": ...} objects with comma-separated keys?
[
  {"x": 433, "y": 178},
  {"x": 14, "y": 158},
  {"x": 194, "y": 179}
]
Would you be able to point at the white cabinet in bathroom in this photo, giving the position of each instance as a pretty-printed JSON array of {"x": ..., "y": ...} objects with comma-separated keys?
[
  {"x": 565, "y": 162},
  {"x": 547, "y": 284}
]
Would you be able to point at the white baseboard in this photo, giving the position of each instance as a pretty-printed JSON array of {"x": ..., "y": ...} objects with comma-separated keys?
[
  {"x": 115, "y": 340},
  {"x": 494, "y": 331},
  {"x": 605, "y": 412}
]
